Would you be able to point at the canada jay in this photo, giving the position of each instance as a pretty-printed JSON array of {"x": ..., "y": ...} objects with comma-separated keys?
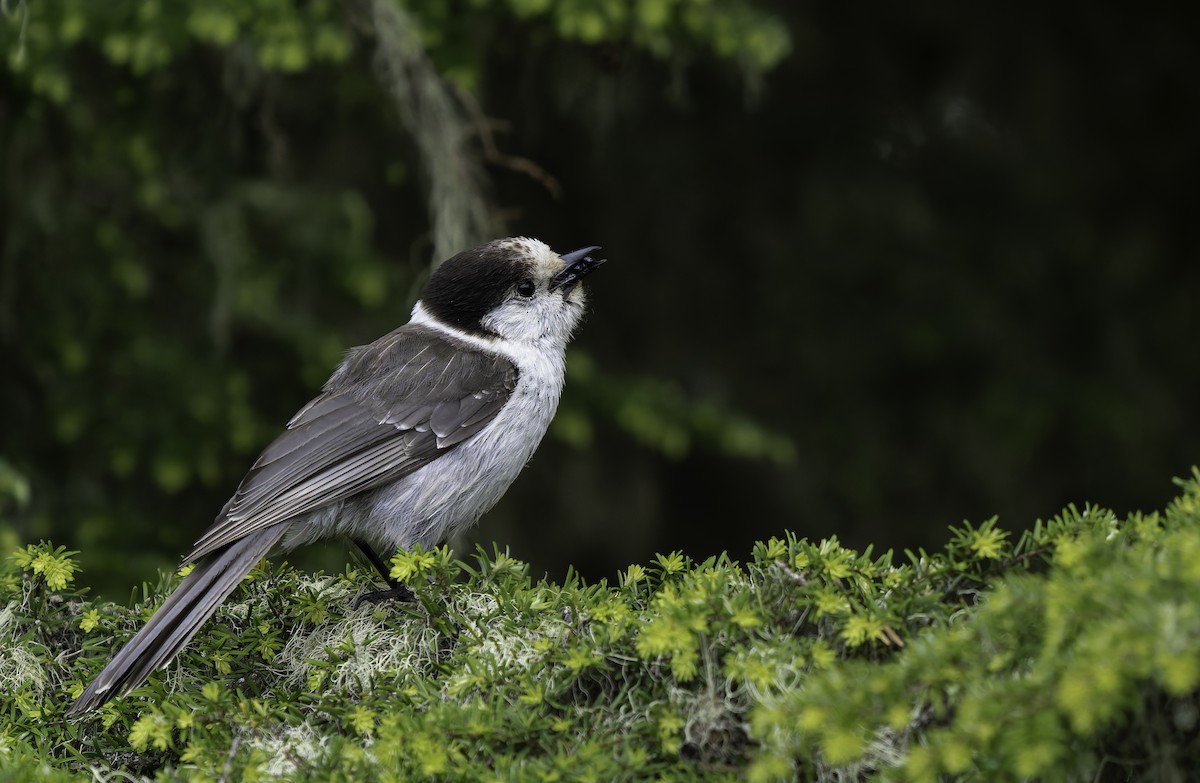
[{"x": 413, "y": 438}]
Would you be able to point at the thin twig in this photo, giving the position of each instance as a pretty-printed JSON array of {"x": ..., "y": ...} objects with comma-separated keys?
[
  {"x": 233, "y": 749},
  {"x": 492, "y": 154}
]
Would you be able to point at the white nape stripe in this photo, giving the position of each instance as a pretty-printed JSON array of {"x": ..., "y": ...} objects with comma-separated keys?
[{"x": 520, "y": 355}]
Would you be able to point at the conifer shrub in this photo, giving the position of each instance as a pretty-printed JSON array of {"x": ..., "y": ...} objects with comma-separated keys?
[{"x": 1069, "y": 652}]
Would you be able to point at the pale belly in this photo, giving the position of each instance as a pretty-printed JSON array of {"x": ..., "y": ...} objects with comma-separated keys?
[{"x": 447, "y": 495}]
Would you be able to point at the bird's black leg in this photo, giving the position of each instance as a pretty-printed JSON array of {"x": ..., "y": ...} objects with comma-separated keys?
[{"x": 395, "y": 589}]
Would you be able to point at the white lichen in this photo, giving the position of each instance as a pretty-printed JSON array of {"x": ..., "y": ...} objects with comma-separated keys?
[{"x": 19, "y": 665}]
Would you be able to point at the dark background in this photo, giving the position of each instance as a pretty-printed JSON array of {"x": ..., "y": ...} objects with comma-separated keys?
[{"x": 933, "y": 263}]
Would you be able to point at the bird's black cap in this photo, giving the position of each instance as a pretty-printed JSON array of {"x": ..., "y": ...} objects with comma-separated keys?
[{"x": 471, "y": 284}]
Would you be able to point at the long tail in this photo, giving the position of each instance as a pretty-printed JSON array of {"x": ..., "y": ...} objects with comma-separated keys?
[{"x": 178, "y": 619}]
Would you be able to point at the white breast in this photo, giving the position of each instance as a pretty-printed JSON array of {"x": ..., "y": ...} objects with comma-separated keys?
[{"x": 452, "y": 492}]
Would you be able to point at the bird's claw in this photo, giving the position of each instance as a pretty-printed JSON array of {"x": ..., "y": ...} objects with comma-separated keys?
[{"x": 398, "y": 592}]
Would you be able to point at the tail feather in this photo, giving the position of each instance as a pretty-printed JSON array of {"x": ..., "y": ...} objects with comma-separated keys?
[{"x": 178, "y": 619}]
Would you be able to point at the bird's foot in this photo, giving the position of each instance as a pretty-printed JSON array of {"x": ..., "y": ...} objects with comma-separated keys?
[{"x": 397, "y": 591}]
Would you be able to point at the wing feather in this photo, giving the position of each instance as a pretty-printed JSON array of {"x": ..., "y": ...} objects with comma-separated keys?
[{"x": 389, "y": 409}]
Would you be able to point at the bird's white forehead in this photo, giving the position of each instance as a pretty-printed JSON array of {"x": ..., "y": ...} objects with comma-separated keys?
[{"x": 545, "y": 261}]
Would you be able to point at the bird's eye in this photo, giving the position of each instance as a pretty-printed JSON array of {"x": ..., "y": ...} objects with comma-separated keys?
[{"x": 526, "y": 288}]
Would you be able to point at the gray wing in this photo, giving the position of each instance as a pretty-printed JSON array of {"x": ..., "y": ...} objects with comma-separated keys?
[{"x": 389, "y": 409}]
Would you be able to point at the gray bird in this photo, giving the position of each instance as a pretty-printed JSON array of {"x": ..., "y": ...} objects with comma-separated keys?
[{"x": 414, "y": 437}]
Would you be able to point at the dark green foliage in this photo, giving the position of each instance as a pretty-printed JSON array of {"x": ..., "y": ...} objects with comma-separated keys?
[
  {"x": 1072, "y": 652},
  {"x": 151, "y": 232},
  {"x": 205, "y": 204},
  {"x": 944, "y": 277}
]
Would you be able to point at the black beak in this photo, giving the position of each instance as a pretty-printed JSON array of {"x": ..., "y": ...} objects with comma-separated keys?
[{"x": 578, "y": 265}]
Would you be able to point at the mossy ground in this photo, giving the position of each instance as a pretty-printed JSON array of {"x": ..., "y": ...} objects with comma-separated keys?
[{"x": 1069, "y": 653}]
